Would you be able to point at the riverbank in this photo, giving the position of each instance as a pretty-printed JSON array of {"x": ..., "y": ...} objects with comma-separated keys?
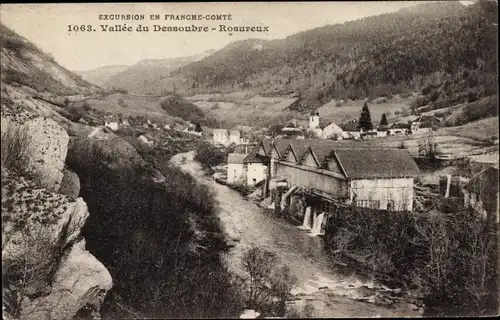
[{"x": 330, "y": 294}]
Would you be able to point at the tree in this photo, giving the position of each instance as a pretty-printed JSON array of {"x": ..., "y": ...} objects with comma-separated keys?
[
  {"x": 198, "y": 128},
  {"x": 275, "y": 129},
  {"x": 365, "y": 120},
  {"x": 267, "y": 283},
  {"x": 383, "y": 121}
]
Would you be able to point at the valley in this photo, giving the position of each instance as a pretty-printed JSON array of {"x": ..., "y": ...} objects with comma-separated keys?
[{"x": 341, "y": 171}]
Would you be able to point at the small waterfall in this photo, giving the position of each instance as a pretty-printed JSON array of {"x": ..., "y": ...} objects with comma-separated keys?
[
  {"x": 306, "y": 225},
  {"x": 316, "y": 230},
  {"x": 315, "y": 220}
]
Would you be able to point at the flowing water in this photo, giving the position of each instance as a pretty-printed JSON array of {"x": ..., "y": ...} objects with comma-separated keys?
[{"x": 332, "y": 294}]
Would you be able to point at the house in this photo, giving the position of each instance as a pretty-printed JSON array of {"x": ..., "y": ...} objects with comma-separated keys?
[
  {"x": 178, "y": 127},
  {"x": 193, "y": 131},
  {"x": 167, "y": 127},
  {"x": 332, "y": 130},
  {"x": 111, "y": 122},
  {"x": 221, "y": 136},
  {"x": 368, "y": 177},
  {"x": 425, "y": 123},
  {"x": 382, "y": 131},
  {"x": 292, "y": 131},
  {"x": 255, "y": 167},
  {"x": 481, "y": 192},
  {"x": 125, "y": 122},
  {"x": 235, "y": 136},
  {"x": 398, "y": 128},
  {"x": 235, "y": 168},
  {"x": 350, "y": 130}
]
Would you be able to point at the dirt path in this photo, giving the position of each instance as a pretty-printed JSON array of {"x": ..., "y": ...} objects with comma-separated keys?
[{"x": 331, "y": 295}]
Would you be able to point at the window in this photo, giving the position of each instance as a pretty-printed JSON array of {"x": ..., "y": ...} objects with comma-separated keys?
[
  {"x": 362, "y": 203},
  {"x": 254, "y": 180},
  {"x": 372, "y": 204}
]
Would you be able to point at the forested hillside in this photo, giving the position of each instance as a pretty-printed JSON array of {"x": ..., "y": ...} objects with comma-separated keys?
[
  {"x": 151, "y": 76},
  {"x": 446, "y": 47}
]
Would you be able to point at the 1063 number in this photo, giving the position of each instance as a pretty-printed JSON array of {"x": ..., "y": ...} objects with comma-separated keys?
[{"x": 82, "y": 28}]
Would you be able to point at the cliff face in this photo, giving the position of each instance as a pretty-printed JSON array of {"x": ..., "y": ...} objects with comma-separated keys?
[{"x": 48, "y": 274}]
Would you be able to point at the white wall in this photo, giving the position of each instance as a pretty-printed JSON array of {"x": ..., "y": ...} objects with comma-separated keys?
[
  {"x": 234, "y": 138},
  {"x": 235, "y": 172},
  {"x": 255, "y": 171},
  {"x": 112, "y": 125},
  {"x": 330, "y": 130},
  {"x": 399, "y": 190},
  {"x": 313, "y": 122},
  {"x": 221, "y": 138}
]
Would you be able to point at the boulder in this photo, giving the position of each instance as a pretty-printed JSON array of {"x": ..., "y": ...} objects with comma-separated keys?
[
  {"x": 47, "y": 272},
  {"x": 70, "y": 184},
  {"x": 80, "y": 281}
]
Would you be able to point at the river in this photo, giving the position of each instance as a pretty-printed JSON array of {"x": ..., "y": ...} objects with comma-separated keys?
[{"x": 330, "y": 293}]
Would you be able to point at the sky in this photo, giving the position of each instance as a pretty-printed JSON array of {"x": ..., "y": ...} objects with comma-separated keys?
[{"x": 47, "y": 26}]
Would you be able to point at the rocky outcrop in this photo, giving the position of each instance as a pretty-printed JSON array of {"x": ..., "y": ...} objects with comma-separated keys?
[
  {"x": 48, "y": 274},
  {"x": 47, "y": 146},
  {"x": 70, "y": 184},
  {"x": 80, "y": 282}
]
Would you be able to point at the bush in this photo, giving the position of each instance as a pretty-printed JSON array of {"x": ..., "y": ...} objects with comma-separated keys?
[
  {"x": 209, "y": 156},
  {"x": 265, "y": 279},
  {"x": 15, "y": 148},
  {"x": 13, "y": 43},
  {"x": 161, "y": 242},
  {"x": 448, "y": 257}
]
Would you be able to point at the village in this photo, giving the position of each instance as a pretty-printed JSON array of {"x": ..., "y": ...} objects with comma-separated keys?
[
  {"x": 325, "y": 163},
  {"x": 332, "y": 167}
]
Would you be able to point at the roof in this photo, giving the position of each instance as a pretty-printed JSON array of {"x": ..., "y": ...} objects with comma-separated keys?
[
  {"x": 359, "y": 163},
  {"x": 236, "y": 158},
  {"x": 322, "y": 148},
  {"x": 400, "y": 125},
  {"x": 351, "y": 126},
  {"x": 254, "y": 157},
  {"x": 292, "y": 129},
  {"x": 427, "y": 118},
  {"x": 333, "y": 124},
  {"x": 232, "y": 132},
  {"x": 382, "y": 128},
  {"x": 282, "y": 144},
  {"x": 266, "y": 144},
  {"x": 314, "y": 113},
  {"x": 220, "y": 131},
  {"x": 300, "y": 147}
]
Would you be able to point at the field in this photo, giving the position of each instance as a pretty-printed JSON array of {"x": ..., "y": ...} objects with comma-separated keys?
[
  {"x": 483, "y": 129},
  {"x": 129, "y": 105},
  {"x": 244, "y": 108},
  {"x": 340, "y": 111},
  {"x": 240, "y": 106}
]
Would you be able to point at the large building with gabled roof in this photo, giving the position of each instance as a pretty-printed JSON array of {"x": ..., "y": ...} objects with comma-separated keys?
[{"x": 378, "y": 178}]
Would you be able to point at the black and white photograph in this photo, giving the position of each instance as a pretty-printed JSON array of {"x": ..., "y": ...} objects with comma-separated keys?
[{"x": 249, "y": 160}]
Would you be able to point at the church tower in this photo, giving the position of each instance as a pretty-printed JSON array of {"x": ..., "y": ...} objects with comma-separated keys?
[{"x": 314, "y": 120}]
